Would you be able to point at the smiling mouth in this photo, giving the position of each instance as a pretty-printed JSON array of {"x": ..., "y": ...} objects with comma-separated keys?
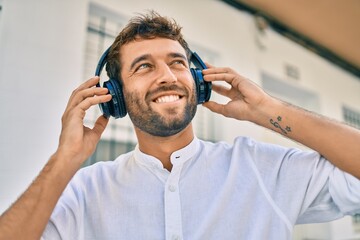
[{"x": 168, "y": 98}]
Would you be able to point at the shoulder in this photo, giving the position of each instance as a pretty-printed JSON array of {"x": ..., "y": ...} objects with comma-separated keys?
[
  {"x": 244, "y": 145},
  {"x": 261, "y": 154},
  {"x": 269, "y": 151},
  {"x": 103, "y": 171},
  {"x": 108, "y": 165}
]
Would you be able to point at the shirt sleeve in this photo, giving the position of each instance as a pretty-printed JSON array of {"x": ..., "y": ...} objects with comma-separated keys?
[
  {"x": 304, "y": 185},
  {"x": 339, "y": 195},
  {"x": 67, "y": 216}
]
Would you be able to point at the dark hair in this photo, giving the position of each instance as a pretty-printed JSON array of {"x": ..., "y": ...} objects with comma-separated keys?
[{"x": 144, "y": 26}]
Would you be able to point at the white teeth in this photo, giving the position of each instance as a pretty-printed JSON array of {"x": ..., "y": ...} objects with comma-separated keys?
[{"x": 168, "y": 98}]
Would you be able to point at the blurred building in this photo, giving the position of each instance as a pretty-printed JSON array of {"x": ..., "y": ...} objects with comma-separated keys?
[{"x": 47, "y": 48}]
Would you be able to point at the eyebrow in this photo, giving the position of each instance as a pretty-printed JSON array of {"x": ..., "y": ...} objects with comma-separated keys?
[
  {"x": 147, "y": 56},
  {"x": 176, "y": 55},
  {"x": 139, "y": 59}
]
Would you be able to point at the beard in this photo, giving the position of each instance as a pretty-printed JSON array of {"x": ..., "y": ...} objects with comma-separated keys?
[{"x": 152, "y": 122}]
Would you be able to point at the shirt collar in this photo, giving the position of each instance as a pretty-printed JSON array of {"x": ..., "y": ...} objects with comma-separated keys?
[{"x": 178, "y": 157}]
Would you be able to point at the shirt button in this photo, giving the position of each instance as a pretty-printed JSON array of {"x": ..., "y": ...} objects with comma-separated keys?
[
  {"x": 175, "y": 237},
  {"x": 172, "y": 188}
]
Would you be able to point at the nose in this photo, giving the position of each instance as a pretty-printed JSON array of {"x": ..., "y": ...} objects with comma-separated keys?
[{"x": 166, "y": 75}]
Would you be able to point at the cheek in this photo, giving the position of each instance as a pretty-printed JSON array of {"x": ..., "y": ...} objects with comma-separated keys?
[
  {"x": 186, "y": 79},
  {"x": 136, "y": 86},
  {"x": 130, "y": 95}
]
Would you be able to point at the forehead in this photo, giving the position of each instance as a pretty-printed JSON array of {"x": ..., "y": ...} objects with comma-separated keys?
[{"x": 156, "y": 47}]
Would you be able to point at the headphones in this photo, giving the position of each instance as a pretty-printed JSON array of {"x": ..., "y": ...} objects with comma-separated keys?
[{"x": 116, "y": 106}]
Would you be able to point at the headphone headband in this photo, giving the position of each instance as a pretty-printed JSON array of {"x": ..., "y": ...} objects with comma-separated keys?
[
  {"x": 101, "y": 64},
  {"x": 196, "y": 60}
]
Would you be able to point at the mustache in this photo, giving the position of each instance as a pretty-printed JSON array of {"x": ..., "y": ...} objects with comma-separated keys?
[{"x": 160, "y": 89}]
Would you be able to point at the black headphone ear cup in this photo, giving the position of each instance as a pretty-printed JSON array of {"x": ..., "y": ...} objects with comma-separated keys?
[
  {"x": 113, "y": 102},
  {"x": 193, "y": 73},
  {"x": 105, "y": 107},
  {"x": 116, "y": 106},
  {"x": 117, "y": 99},
  {"x": 200, "y": 85},
  {"x": 203, "y": 88}
]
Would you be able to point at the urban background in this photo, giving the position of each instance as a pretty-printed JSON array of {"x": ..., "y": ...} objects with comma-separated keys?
[{"x": 47, "y": 48}]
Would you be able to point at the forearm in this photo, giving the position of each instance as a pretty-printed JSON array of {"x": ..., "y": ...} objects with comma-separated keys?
[
  {"x": 28, "y": 216},
  {"x": 335, "y": 141}
]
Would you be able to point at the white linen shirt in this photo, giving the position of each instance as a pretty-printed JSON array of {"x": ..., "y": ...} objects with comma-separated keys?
[{"x": 248, "y": 190}]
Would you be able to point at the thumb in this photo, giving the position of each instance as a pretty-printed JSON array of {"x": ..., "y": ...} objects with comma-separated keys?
[
  {"x": 214, "y": 107},
  {"x": 100, "y": 125}
]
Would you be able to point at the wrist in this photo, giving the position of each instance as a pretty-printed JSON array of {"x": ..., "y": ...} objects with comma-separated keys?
[
  {"x": 66, "y": 159},
  {"x": 268, "y": 108},
  {"x": 277, "y": 115}
]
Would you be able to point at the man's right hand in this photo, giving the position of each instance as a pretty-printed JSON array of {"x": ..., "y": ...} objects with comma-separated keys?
[{"x": 77, "y": 142}]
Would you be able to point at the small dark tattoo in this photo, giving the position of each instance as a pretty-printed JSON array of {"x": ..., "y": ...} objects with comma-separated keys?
[{"x": 285, "y": 130}]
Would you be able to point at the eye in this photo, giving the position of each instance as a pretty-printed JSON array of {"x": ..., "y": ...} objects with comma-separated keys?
[
  {"x": 142, "y": 66},
  {"x": 179, "y": 62}
]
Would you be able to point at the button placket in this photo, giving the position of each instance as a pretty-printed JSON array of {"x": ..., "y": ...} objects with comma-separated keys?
[
  {"x": 175, "y": 237},
  {"x": 172, "y": 188},
  {"x": 173, "y": 219}
]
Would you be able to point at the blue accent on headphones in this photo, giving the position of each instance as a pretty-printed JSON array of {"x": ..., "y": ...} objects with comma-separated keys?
[{"x": 116, "y": 106}]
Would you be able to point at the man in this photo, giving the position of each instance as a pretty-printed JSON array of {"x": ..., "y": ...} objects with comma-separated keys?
[{"x": 173, "y": 185}]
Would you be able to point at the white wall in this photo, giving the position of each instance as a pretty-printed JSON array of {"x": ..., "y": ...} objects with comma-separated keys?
[
  {"x": 41, "y": 47},
  {"x": 41, "y": 61}
]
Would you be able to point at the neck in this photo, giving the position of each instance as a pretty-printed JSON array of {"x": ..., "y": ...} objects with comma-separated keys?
[{"x": 163, "y": 147}]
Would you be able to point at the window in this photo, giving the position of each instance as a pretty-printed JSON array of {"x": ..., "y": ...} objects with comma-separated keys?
[
  {"x": 119, "y": 137},
  {"x": 107, "y": 150},
  {"x": 290, "y": 92},
  {"x": 356, "y": 222},
  {"x": 103, "y": 27},
  {"x": 351, "y": 117}
]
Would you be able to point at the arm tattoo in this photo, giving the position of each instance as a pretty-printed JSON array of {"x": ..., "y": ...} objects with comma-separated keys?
[{"x": 276, "y": 124}]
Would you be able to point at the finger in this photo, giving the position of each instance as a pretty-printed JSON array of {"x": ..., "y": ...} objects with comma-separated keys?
[
  {"x": 221, "y": 90},
  {"x": 82, "y": 95},
  {"x": 216, "y": 70},
  {"x": 229, "y": 78},
  {"x": 100, "y": 125},
  {"x": 91, "y": 101},
  {"x": 220, "y": 74},
  {"x": 89, "y": 83},
  {"x": 81, "y": 108},
  {"x": 208, "y": 65},
  {"x": 215, "y": 107}
]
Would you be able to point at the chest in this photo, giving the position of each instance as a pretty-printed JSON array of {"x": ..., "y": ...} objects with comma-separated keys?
[{"x": 186, "y": 204}]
